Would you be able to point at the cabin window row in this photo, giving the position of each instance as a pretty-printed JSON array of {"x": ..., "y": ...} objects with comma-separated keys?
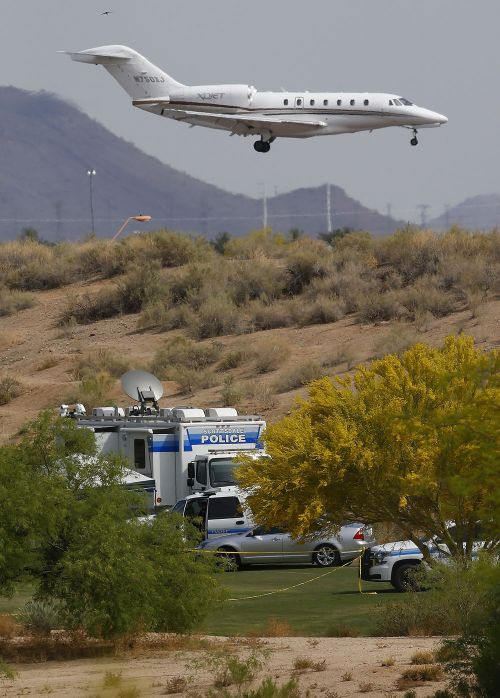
[{"x": 312, "y": 102}]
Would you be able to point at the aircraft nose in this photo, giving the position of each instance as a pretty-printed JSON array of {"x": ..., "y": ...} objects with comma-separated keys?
[{"x": 441, "y": 118}]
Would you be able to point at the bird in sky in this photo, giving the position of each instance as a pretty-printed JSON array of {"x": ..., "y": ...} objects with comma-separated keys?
[{"x": 108, "y": 12}]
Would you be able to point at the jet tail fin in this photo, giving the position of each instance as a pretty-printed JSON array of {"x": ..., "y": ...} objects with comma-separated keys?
[{"x": 138, "y": 77}]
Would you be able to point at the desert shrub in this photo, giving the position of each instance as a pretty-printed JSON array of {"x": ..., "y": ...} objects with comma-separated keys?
[
  {"x": 380, "y": 307},
  {"x": 101, "y": 257},
  {"x": 354, "y": 283},
  {"x": 322, "y": 311},
  {"x": 232, "y": 359},
  {"x": 423, "y": 673},
  {"x": 276, "y": 627},
  {"x": 341, "y": 630},
  {"x": 260, "y": 396},
  {"x": 9, "y": 626},
  {"x": 344, "y": 354},
  {"x": 177, "y": 684},
  {"x": 412, "y": 252},
  {"x": 299, "y": 376},
  {"x": 302, "y": 664},
  {"x": 425, "y": 295},
  {"x": 457, "y": 601},
  {"x": 217, "y": 316},
  {"x": 159, "y": 315},
  {"x": 256, "y": 280},
  {"x": 101, "y": 359},
  {"x": 270, "y": 354},
  {"x": 307, "y": 259},
  {"x": 396, "y": 340},
  {"x": 472, "y": 660},
  {"x": 390, "y": 661},
  {"x": 95, "y": 389},
  {"x": 87, "y": 309},
  {"x": 10, "y": 388},
  {"x": 190, "y": 380},
  {"x": 270, "y": 317},
  {"x": 48, "y": 362},
  {"x": 40, "y": 617},
  {"x": 177, "y": 249},
  {"x": 181, "y": 352},
  {"x": 231, "y": 392},
  {"x": 365, "y": 687},
  {"x": 32, "y": 266},
  {"x": 139, "y": 287},
  {"x": 11, "y": 301},
  {"x": 6, "y": 672},
  {"x": 257, "y": 244},
  {"x": 422, "y": 657}
]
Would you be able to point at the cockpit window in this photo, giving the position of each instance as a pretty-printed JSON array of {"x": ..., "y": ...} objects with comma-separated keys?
[
  {"x": 396, "y": 101},
  {"x": 391, "y": 103},
  {"x": 406, "y": 102}
]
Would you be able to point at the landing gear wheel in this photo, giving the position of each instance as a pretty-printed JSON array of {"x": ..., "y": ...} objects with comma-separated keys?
[
  {"x": 414, "y": 140},
  {"x": 326, "y": 556},
  {"x": 262, "y": 146}
]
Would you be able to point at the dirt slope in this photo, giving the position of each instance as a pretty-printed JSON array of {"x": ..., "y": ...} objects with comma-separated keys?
[{"x": 31, "y": 340}]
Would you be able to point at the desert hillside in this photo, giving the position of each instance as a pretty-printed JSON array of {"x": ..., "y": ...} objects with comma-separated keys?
[{"x": 246, "y": 322}]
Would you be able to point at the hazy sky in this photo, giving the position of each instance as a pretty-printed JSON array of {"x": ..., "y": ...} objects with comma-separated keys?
[{"x": 441, "y": 54}]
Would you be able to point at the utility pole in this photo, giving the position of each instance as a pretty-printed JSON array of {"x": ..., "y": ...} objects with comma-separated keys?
[
  {"x": 264, "y": 206},
  {"x": 423, "y": 214},
  {"x": 91, "y": 174},
  {"x": 329, "y": 226}
]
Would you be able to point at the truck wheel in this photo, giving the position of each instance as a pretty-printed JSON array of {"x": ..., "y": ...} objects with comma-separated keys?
[
  {"x": 403, "y": 577},
  {"x": 326, "y": 556},
  {"x": 230, "y": 559}
]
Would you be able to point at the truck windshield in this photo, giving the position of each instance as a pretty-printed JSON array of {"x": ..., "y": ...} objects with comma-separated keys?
[{"x": 221, "y": 472}]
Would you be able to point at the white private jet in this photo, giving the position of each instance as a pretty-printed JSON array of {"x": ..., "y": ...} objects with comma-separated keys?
[{"x": 244, "y": 111}]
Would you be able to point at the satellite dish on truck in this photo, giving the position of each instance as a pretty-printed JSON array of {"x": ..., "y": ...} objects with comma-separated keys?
[{"x": 142, "y": 386}]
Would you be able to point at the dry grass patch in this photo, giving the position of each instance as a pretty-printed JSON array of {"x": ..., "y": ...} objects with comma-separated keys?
[
  {"x": 48, "y": 362},
  {"x": 10, "y": 388},
  {"x": 422, "y": 658},
  {"x": 423, "y": 673},
  {"x": 299, "y": 376},
  {"x": 270, "y": 354},
  {"x": 303, "y": 664},
  {"x": 11, "y": 301}
]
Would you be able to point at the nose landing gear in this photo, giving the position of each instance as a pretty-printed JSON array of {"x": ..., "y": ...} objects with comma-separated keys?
[
  {"x": 262, "y": 146},
  {"x": 414, "y": 140}
]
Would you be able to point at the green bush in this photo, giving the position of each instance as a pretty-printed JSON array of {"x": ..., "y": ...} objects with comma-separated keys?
[
  {"x": 216, "y": 316},
  {"x": 41, "y": 617}
]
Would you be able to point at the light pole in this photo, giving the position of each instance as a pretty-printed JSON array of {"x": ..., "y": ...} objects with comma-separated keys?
[
  {"x": 92, "y": 174},
  {"x": 140, "y": 219}
]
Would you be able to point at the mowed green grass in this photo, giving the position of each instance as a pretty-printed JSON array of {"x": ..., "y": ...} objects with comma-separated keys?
[{"x": 309, "y": 610}]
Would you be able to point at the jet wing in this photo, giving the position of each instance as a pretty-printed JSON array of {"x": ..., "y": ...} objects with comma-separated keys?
[{"x": 242, "y": 124}]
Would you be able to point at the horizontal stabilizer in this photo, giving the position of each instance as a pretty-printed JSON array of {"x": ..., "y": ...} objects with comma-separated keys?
[{"x": 102, "y": 55}]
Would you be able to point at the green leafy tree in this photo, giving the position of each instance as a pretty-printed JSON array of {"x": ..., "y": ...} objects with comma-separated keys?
[
  {"x": 411, "y": 440},
  {"x": 68, "y": 524}
]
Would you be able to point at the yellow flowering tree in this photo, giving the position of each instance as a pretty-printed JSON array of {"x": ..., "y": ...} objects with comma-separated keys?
[{"x": 412, "y": 440}]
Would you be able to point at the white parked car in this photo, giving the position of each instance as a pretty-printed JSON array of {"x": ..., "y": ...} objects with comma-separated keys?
[{"x": 395, "y": 562}]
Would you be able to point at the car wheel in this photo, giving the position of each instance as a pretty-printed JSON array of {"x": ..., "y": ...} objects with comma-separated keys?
[
  {"x": 326, "y": 556},
  {"x": 403, "y": 577},
  {"x": 230, "y": 559}
]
